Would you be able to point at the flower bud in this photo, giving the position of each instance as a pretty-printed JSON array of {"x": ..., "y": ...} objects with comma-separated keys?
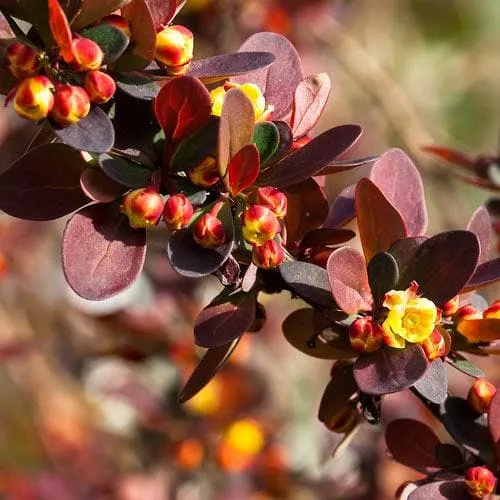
[
  {"x": 493, "y": 312},
  {"x": 344, "y": 420},
  {"x": 143, "y": 207},
  {"x": 174, "y": 47},
  {"x": 450, "y": 307},
  {"x": 118, "y": 22},
  {"x": 99, "y": 86},
  {"x": 480, "y": 395},
  {"x": 365, "y": 335},
  {"x": 209, "y": 231},
  {"x": 34, "y": 98},
  {"x": 268, "y": 255},
  {"x": 205, "y": 174},
  {"x": 480, "y": 482},
  {"x": 259, "y": 224},
  {"x": 178, "y": 211},
  {"x": 87, "y": 55},
  {"x": 274, "y": 199},
  {"x": 466, "y": 312},
  {"x": 434, "y": 345},
  {"x": 22, "y": 60},
  {"x": 71, "y": 104}
]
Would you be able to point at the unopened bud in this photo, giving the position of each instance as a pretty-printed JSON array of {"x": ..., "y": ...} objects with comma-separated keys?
[
  {"x": 480, "y": 395},
  {"x": 268, "y": 255},
  {"x": 259, "y": 224},
  {"x": 493, "y": 311},
  {"x": 434, "y": 345},
  {"x": 99, "y": 86},
  {"x": 71, "y": 104},
  {"x": 450, "y": 307},
  {"x": 467, "y": 312},
  {"x": 344, "y": 420},
  {"x": 178, "y": 211},
  {"x": 118, "y": 22},
  {"x": 206, "y": 173},
  {"x": 22, "y": 60},
  {"x": 274, "y": 199},
  {"x": 480, "y": 482},
  {"x": 87, "y": 55},
  {"x": 143, "y": 207},
  {"x": 34, "y": 98},
  {"x": 209, "y": 232},
  {"x": 365, "y": 335},
  {"x": 174, "y": 48}
]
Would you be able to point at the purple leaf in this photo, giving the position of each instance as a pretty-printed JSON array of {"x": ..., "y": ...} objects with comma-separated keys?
[
  {"x": 405, "y": 249},
  {"x": 44, "y": 184},
  {"x": 390, "y": 370},
  {"x": 101, "y": 254},
  {"x": 485, "y": 274},
  {"x": 342, "y": 209},
  {"x": 324, "y": 236},
  {"x": 162, "y": 11},
  {"x": 93, "y": 10},
  {"x": 278, "y": 81},
  {"x": 433, "y": 386},
  {"x": 99, "y": 187},
  {"x": 441, "y": 490},
  {"x": 337, "y": 166},
  {"x": 480, "y": 225},
  {"x": 398, "y": 178},
  {"x": 494, "y": 423},
  {"x": 348, "y": 279}
]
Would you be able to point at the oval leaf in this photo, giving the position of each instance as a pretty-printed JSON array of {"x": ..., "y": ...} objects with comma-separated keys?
[
  {"x": 404, "y": 251},
  {"x": 266, "y": 137},
  {"x": 125, "y": 172},
  {"x": 99, "y": 187},
  {"x": 485, "y": 274},
  {"x": 243, "y": 169},
  {"x": 324, "y": 236},
  {"x": 112, "y": 41},
  {"x": 464, "y": 365},
  {"x": 343, "y": 209},
  {"x": 433, "y": 386},
  {"x": 441, "y": 490},
  {"x": 480, "y": 225},
  {"x": 101, "y": 254},
  {"x": 163, "y": 11},
  {"x": 60, "y": 29},
  {"x": 383, "y": 274},
  {"x": 94, "y": 10},
  {"x": 137, "y": 85}
]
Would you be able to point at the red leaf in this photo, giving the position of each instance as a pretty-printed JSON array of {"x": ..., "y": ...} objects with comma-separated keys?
[
  {"x": 451, "y": 156},
  {"x": 480, "y": 225},
  {"x": 379, "y": 222},
  {"x": 243, "y": 169},
  {"x": 182, "y": 107},
  {"x": 163, "y": 11},
  {"x": 60, "y": 29},
  {"x": 349, "y": 280}
]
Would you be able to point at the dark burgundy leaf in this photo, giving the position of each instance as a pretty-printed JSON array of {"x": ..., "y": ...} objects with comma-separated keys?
[
  {"x": 486, "y": 273},
  {"x": 383, "y": 274},
  {"x": 480, "y": 225},
  {"x": 441, "y": 490},
  {"x": 348, "y": 279},
  {"x": 494, "y": 423},
  {"x": 412, "y": 443},
  {"x": 311, "y": 158},
  {"x": 94, "y": 133},
  {"x": 137, "y": 85},
  {"x": 243, "y": 169},
  {"x": 101, "y": 254},
  {"x": 324, "y": 236},
  {"x": 278, "y": 81},
  {"x": 442, "y": 265},
  {"x": 342, "y": 209},
  {"x": 213, "y": 360},
  {"x": 220, "y": 324},
  {"x": 433, "y": 386},
  {"x": 404, "y": 251},
  {"x": 337, "y": 166},
  {"x": 125, "y": 172},
  {"x": 162, "y": 10},
  {"x": 93, "y": 10},
  {"x": 398, "y": 178},
  {"x": 464, "y": 365},
  {"x": 390, "y": 370},
  {"x": 229, "y": 273},
  {"x": 99, "y": 187},
  {"x": 448, "y": 455},
  {"x": 43, "y": 184}
]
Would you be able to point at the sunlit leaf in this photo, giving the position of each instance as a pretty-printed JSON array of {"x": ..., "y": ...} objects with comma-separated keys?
[
  {"x": 243, "y": 169},
  {"x": 451, "y": 156},
  {"x": 162, "y": 10},
  {"x": 60, "y": 29},
  {"x": 480, "y": 225}
]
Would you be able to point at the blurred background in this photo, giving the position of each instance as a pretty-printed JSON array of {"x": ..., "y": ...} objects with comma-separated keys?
[{"x": 88, "y": 391}]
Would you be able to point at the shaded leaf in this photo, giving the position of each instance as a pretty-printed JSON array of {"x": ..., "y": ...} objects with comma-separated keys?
[
  {"x": 480, "y": 225},
  {"x": 480, "y": 330},
  {"x": 162, "y": 10},
  {"x": 324, "y": 236},
  {"x": 101, "y": 254},
  {"x": 94, "y": 10},
  {"x": 405, "y": 249},
  {"x": 94, "y": 133},
  {"x": 379, "y": 222},
  {"x": 383, "y": 274},
  {"x": 441, "y": 490},
  {"x": 60, "y": 29},
  {"x": 448, "y": 455},
  {"x": 44, "y": 184},
  {"x": 266, "y": 137},
  {"x": 494, "y": 423},
  {"x": 285, "y": 142},
  {"x": 337, "y": 166},
  {"x": 464, "y": 365},
  {"x": 99, "y": 187},
  {"x": 137, "y": 85},
  {"x": 485, "y": 274},
  {"x": 112, "y": 41},
  {"x": 433, "y": 386},
  {"x": 343, "y": 209},
  {"x": 125, "y": 172},
  {"x": 311, "y": 96},
  {"x": 399, "y": 180},
  {"x": 243, "y": 169},
  {"x": 348, "y": 279},
  {"x": 390, "y": 370}
]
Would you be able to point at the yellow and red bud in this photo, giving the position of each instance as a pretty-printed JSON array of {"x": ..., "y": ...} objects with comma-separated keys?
[
  {"x": 143, "y": 207},
  {"x": 268, "y": 255},
  {"x": 274, "y": 199},
  {"x": 205, "y": 174},
  {"x": 493, "y": 311},
  {"x": 99, "y": 86},
  {"x": 450, "y": 307},
  {"x": 22, "y": 60},
  {"x": 259, "y": 224},
  {"x": 34, "y": 98},
  {"x": 467, "y": 312},
  {"x": 480, "y": 482},
  {"x": 480, "y": 395},
  {"x": 209, "y": 232},
  {"x": 87, "y": 55},
  {"x": 178, "y": 211},
  {"x": 118, "y": 22},
  {"x": 174, "y": 48},
  {"x": 434, "y": 345},
  {"x": 71, "y": 104},
  {"x": 344, "y": 420},
  {"x": 365, "y": 335}
]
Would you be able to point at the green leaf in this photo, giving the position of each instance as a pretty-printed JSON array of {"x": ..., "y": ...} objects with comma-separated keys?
[
  {"x": 266, "y": 137},
  {"x": 112, "y": 41}
]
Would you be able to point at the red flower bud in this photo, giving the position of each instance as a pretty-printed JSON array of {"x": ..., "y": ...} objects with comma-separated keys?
[
  {"x": 71, "y": 104},
  {"x": 99, "y": 86},
  {"x": 205, "y": 174},
  {"x": 480, "y": 395},
  {"x": 209, "y": 231},
  {"x": 365, "y": 335},
  {"x": 118, "y": 22},
  {"x": 493, "y": 312},
  {"x": 143, "y": 207},
  {"x": 434, "y": 345},
  {"x": 178, "y": 211},
  {"x": 467, "y": 312},
  {"x": 259, "y": 224},
  {"x": 344, "y": 420},
  {"x": 174, "y": 48},
  {"x": 274, "y": 199},
  {"x": 22, "y": 60},
  {"x": 34, "y": 98},
  {"x": 268, "y": 255},
  {"x": 480, "y": 482},
  {"x": 450, "y": 307},
  {"x": 87, "y": 55}
]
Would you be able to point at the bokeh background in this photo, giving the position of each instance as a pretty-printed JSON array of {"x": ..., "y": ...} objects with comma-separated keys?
[{"x": 88, "y": 406}]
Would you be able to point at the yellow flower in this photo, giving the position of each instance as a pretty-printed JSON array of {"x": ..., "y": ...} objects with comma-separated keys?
[{"x": 251, "y": 90}]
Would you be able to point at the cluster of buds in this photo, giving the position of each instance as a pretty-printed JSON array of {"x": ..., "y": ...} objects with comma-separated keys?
[{"x": 174, "y": 49}]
